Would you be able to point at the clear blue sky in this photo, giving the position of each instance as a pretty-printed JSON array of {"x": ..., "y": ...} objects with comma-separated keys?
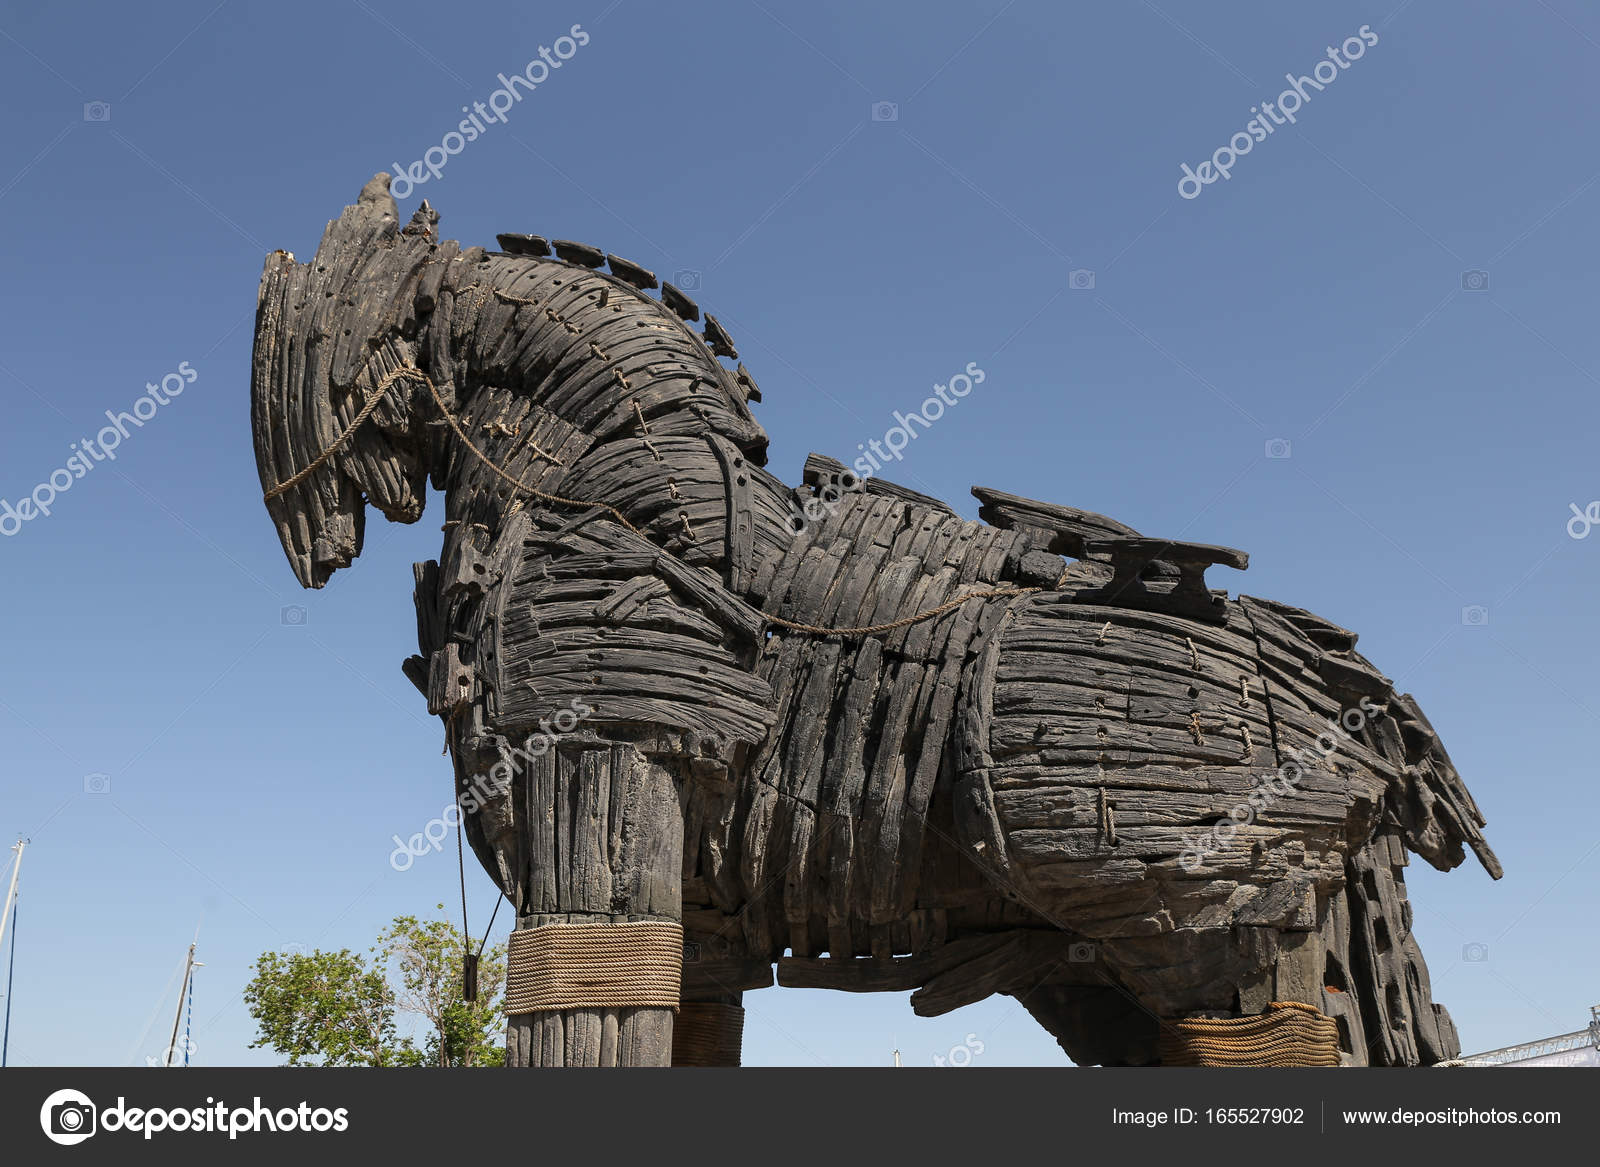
[{"x": 1437, "y": 432}]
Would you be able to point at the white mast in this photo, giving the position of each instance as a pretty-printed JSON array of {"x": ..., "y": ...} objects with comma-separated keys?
[
  {"x": 11, "y": 893},
  {"x": 183, "y": 990}
]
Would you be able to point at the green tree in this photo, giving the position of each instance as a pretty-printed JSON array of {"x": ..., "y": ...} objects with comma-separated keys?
[
  {"x": 341, "y": 1009},
  {"x": 323, "y": 1009},
  {"x": 428, "y": 955}
]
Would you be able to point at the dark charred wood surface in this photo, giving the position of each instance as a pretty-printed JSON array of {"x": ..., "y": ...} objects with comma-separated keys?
[{"x": 999, "y": 799}]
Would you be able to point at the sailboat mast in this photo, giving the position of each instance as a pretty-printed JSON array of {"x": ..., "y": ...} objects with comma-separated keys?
[
  {"x": 11, "y": 980},
  {"x": 183, "y": 989},
  {"x": 9, "y": 916},
  {"x": 11, "y": 893},
  {"x": 188, "y": 1025}
]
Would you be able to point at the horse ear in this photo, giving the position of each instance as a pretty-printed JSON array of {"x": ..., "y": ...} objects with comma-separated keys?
[
  {"x": 376, "y": 193},
  {"x": 424, "y": 222}
]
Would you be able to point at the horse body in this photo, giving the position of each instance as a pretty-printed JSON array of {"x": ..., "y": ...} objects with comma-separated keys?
[
  {"x": 1024, "y": 791},
  {"x": 816, "y": 757}
]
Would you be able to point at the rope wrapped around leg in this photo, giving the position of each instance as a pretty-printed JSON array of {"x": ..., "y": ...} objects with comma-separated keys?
[
  {"x": 708, "y": 1033},
  {"x": 1287, "y": 1034},
  {"x": 631, "y": 965}
]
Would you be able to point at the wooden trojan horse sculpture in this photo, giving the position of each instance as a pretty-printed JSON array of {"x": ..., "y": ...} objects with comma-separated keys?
[{"x": 700, "y": 718}]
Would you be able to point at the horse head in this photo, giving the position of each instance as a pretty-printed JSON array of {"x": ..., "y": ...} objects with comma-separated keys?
[{"x": 336, "y": 402}]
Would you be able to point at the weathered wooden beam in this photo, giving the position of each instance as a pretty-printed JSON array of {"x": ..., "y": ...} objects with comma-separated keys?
[
  {"x": 1068, "y": 527},
  {"x": 606, "y": 834}
]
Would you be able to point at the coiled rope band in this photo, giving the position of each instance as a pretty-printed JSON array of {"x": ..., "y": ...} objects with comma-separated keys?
[
  {"x": 1287, "y": 1034},
  {"x": 322, "y": 458},
  {"x": 708, "y": 1033},
  {"x": 631, "y": 965}
]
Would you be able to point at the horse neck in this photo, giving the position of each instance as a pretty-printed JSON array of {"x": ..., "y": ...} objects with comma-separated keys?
[
  {"x": 576, "y": 384},
  {"x": 593, "y": 350}
]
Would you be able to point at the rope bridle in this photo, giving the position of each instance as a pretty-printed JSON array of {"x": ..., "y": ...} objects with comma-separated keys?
[{"x": 411, "y": 372}]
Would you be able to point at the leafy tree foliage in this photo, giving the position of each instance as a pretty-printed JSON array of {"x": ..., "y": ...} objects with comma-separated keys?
[
  {"x": 324, "y": 1009},
  {"x": 341, "y": 1008},
  {"x": 428, "y": 954}
]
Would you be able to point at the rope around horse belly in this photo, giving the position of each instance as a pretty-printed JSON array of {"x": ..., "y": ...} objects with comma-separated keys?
[{"x": 408, "y": 371}]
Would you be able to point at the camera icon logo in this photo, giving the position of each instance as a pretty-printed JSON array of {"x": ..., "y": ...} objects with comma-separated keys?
[
  {"x": 292, "y": 616},
  {"x": 1475, "y": 615},
  {"x": 96, "y": 111},
  {"x": 885, "y": 111},
  {"x": 1474, "y": 953},
  {"x": 1279, "y": 448},
  {"x": 691, "y": 952},
  {"x": 687, "y": 280},
  {"x": 97, "y": 783},
  {"x": 1475, "y": 281},
  {"x": 1080, "y": 279},
  {"x": 68, "y": 1117},
  {"x": 1081, "y": 953}
]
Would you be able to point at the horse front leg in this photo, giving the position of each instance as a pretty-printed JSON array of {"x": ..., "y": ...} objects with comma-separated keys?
[
  {"x": 665, "y": 663},
  {"x": 597, "y": 956}
]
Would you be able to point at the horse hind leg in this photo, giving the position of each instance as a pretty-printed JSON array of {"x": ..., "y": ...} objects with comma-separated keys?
[
  {"x": 709, "y": 1029},
  {"x": 1095, "y": 1025}
]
